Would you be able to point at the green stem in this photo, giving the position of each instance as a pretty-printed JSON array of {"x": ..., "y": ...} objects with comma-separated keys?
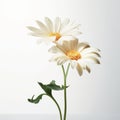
[
  {"x": 60, "y": 113},
  {"x": 65, "y": 73}
]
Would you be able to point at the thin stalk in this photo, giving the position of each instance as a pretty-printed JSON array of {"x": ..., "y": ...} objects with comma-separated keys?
[
  {"x": 65, "y": 73},
  {"x": 60, "y": 113}
]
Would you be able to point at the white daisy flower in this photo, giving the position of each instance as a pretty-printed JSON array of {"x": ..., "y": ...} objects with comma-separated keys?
[
  {"x": 53, "y": 31},
  {"x": 78, "y": 54}
]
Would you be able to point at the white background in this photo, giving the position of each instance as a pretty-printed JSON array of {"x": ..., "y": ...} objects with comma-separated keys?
[{"x": 23, "y": 62}]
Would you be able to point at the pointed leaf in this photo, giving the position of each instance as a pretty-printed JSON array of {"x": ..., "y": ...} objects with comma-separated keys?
[
  {"x": 36, "y": 100},
  {"x": 51, "y": 86},
  {"x": 46, "y": 89}
]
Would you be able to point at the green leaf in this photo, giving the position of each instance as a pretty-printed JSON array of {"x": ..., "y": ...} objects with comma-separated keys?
[
  {"x": 51, "y": 86},
  {"x": 46, "y": 89},
  {"x": 36, "y": 100}
]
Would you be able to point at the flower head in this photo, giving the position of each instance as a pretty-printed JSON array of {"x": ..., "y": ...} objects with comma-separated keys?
[
  {"x": 78, "y": 54},
  {"x": 53, "y": 31}
]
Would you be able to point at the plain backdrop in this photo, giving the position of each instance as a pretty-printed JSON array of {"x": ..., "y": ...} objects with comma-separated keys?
[{"x": 23, "y": 62}]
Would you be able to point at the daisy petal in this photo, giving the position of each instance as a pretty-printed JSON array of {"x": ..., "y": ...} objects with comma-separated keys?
[
  {"x": 73, "y": 33},
  {"x": 65, "y": 23},
  {"x": 33, "y": 29},
  {"x": 75, "y": 26},
  {"x": 37, "y": 34},
  {"x": 89, "y": 50},
  {"x": 57, "y": 24},
  {"x": 70, "y": 29},
  {"x": 94, "y": 54},
  {"x": 61, "y": 60},
  {"x": 66, "y": 38},
  {"x": 88, "y": 69},
  {"x": 54, "y": 49},
  {"x": 94, "y": 59},
  {"x": 82, "y": 46},
  {"x": 68, "y": 43},
  {"x": 74, "y": 44},
  {"x": 73, "y": 63},
  {"x": 49, "y": 24},
  {"x": 42, "y": 26},
  {"x": 79, "y": 69}
]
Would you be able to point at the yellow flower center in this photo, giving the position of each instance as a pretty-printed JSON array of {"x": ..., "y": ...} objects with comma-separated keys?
[
  {"x": 57, "y": 35},
  {"x": 73, "y": 55}
]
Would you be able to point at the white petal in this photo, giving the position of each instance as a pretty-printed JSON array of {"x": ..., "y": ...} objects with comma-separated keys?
[
  {"x": 79, "y": 69},
  {"x": 75, "y": 33},
  {"x": 52, "y": 38},
  {"x": 96, "y": 53},
  {"x": 90, "y": 55},
  {"x": 68, "y": 42},
  {"x": 49, "y": 24},
  {"x": 54, "y": 49},
  {"x": 71, "y": 45},
  {"x": 42, "y": 26},
  {"x": 33, "y": 29},
  {"x": 57, "y": 24},
  {"x": 90, "y": 49},
  {"x": 73, "y": 63},
  {"x": 66, "y": 31},
  {"x": 60, "y": 59},
  {"x": 65, "y": 23},
  {"x": 47, "y": 40},
  {"x": 61, "y": 47},
  {"x": 38, "y": 34},
  {"x": 70, "y": 29},
  {"x": 66, "y": 38},
  {"x": 83, "y": 45},
  {"x": 93, "y": 59},
  {"x": 74, "y": 44},
  {"x": 75, "y": 26},
  {"x": 88, "y": 69}
]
